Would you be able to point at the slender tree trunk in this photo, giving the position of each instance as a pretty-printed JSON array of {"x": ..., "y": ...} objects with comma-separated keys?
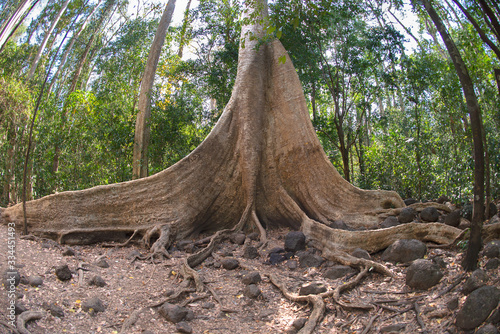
[
  {"x": 142, "y": 125},
  {"x": 13, "y": 22},
  {"x": 313, "y": 101},
  {"x": 475, "y": 241},
  {"x": 183, "y": 30}
]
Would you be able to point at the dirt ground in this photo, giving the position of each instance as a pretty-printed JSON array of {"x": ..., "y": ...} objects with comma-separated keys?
[{"x": 133, "y": 285}]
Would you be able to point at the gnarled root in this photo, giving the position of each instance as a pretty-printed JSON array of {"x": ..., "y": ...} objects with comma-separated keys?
[{"x": 26, "y": 316}]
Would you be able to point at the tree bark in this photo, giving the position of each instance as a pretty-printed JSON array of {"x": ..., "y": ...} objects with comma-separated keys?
[
  {"x": 142, "y": 125},
  {"x": 262, "y": 165},
  {"x": 475, "y": 243},
  {"x": 14, "y": 20}
]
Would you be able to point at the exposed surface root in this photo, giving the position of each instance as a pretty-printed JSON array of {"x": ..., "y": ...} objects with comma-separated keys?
[
  {"x": 349, "y": 285},
  {"x": 26, "y": 316},
  {"x": 123, "y": 244},
  {"x": 316, "y": 300}
]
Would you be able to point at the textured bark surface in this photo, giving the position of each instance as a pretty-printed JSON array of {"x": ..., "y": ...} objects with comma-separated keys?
[{"x": 261, "y": 165}]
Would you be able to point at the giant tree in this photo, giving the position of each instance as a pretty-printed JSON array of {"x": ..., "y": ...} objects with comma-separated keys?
[{"x": 261, "y": 166}]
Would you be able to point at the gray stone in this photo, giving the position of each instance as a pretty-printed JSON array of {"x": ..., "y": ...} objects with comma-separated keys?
[
  {"x": 69, "y": 252},
  {"x": 299, "y": 323},
  {"x": 390, "y": 222},
  {"x": 295, "y": 241},
  {"x": 410, "y": 201},
  {"x": 93, "y": 305},
  {"x": 208, "y": 305},
  {"x": 102, "y": 264},
  {"x": 292, "y": 264},
  {"x": 443, "y": 199},
  {"x": 487, "y": 329},
  {"x": 307, "y": 260},
  {"x": 407, "y": 215},
  {"x": 254, "y": 236},
  {"x": 492, "y": 264},
  {"x": 452, "y": 304},
  {"x": 492, "y": 249},
  {"x": 338, "y": 271},
  {"x": 11, "y": 277},
  {"x": 275, "y": 258},
  {"x": 477, "y": 279},
  {"x": 63, "y": 273},
  {"x": 238, "y": 238},
  {"x": 173, "y": 313},
  {"x": 97, "y": 281},
  {"x": 404, "y": 251},
  {"x": 466, "y": 212},
  {"x": 55, "y": 310},
  {"x": 230, "y": 263},
  {"x": 312, "y": 288},
  {"x": 423, "y": 274},
  {"x": 19, "y": 308},
  {"x": 477, "y": 306},
  {"x": 183, "y": 327},
  {"x": 35, "y": 280},
  {"x": 453, "y": 218},
  {"x": 430, "y": 214},
  {"x": 250, "y": 252},
  {"x": 361, "y": 254},
  {"x": 252, "y": 277},
  {"x": 252, "y": 291}
]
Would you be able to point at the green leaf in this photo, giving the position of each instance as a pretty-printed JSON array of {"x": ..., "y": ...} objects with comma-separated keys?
[
  {"x": 278, "y": 33},
  {"x": 270, "y": 30},
  {"x": 282, "y": 59},
  {"x": 296, "y": 22}
]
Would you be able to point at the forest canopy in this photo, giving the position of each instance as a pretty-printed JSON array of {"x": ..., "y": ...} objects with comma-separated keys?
[{"x": 382, "y": 93}]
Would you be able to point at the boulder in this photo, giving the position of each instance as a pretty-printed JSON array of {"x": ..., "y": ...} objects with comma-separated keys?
[
  {"x": 93, "y": 305},
  {"x": 390, "y": 222},
  {"x": 477, "y": 307},
  {"x": 338, "y": 271},
  {"x": 250, "y": 252},
  {"x": 295, "y": 241},
  {"x": 230, "y": 263},
  {"x": 423, "y": 274},
  {"x": 252, "y": 291},
  {"x": 492, "y": 249},
  {"x": 407, "y": 215},
  {"x": 453, "y": 218},
  {"x": 430, "y": 214},
  {"x": 477, "y": 279},
  {"x": 312, "y": 288},
  {"x": 252, "y": 277},
  {"x": 307, "y": 260},
  {"x": 63, "y": 273},
  {"x": 404, "y": 251},
  {"x": 173, "y": 313},
  {"x": 361, "y": 254}
]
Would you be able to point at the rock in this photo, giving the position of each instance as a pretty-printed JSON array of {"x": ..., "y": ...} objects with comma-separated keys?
[
  {"x": 410, "y": 201},
  {"x": 133, "y": 255},
  {"x": 443, "y": 199},
  {"x": 339, "y": 224},
  {"x": 173, "y": 313},
  {"x": 252, "y": 291},
  {"x": 394, "y": 328},
  {"x": 452, "y": 304},
  {"x": 11, "y": 278},
  {"x": 477, "y": 306},
  {"x": 35, "y": 280},
  {"x": 487, "y": 329},
  {"x": 307, "y": 260},
  {"x": 230, "y": 263},
  {"x": 338, "y": 271},
  {"x": 453, "y": 218},
  {"x": 493, "y": 210},
  {"x": 254, "y": 236},
  {"x": 407, "y": 215},
  {"x": 492, "y": 249},
  {"x": 97, "y": 281},
  {"x": 69, "y": 252},
  {"x": 252, "y": 277},
  {"x": 477, "y": 279},
  {"x": 250, "y": 252},
  {"x": 295, "y": 241},
  {"x": 423, "y": 274},
  {"x": 312, "y": 288},
  {"x": 185, "y": 245},
  {"x": 93, "y": 305},
  {"x": 492, "y": 264},
  {"x": 19, "y": 308},
  {"x": 430, "y": 214},
  {"x": 238, "y": 238},
  {"x": 208, "y": 305},
  {"x": 292, "y": 264},
  {"x": 404, "y": 251},
  {"x": 102, "y": 263},
  {"x": 361, "y": 254},
  {"x": 275, "y": 258},
  {"x": 494, "y": 317},
  {"x": 55, "y": 310},
  {"x": 390, "y": 222},
  {"x": 183, "y": 327},
  {"x": 299, "y": 323},
  {"x": 63, "y": 273}
]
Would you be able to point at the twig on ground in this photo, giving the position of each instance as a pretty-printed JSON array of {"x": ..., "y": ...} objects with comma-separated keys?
[
  {"x": 419, "y": 318},
  {"x": 26, "y": 316}
]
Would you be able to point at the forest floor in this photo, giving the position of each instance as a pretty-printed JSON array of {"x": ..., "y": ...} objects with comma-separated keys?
[{"x": 131, "y": 285}]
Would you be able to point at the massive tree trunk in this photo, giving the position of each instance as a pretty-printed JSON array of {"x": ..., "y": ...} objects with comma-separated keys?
[
  {"x": 262, "y": 165},
  {"x": 142, "y": 123}
]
